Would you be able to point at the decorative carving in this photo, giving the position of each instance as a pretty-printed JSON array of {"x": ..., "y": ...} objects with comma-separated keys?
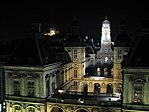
[
  {"x": 38, "y": 107},
  {"x": 95, "y": 110},
  {"x": 69, "y": 109},
  {"x": 24, "y": 106},
  {"x": 11, "y": 104},
  {"x": 103, "y": 84},
  {"x": 91, "y": 84},
  {"x": 139, "y": 80}
]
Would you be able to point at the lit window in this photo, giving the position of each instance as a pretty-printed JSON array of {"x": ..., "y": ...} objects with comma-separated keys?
[
  {"x": 75, "y": 73},
  {"x": 98, "y": 71},
  {"x": 75, "y": 53},
  {"x": 105, "y": 71}
]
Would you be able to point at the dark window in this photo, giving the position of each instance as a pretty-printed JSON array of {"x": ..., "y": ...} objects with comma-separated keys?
[
  {"x": 17, "y": 108},
  {"x": 30, "y": 88},
  {"x": 31, "y": 110},
  {"x": 138, "y": 94},
  {"x": 16, "y": 85}
]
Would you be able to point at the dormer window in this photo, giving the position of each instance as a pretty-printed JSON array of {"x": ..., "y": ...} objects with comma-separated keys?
[
  {"x": 119, "y": 51},
  {"x": 69, "y": 50}
]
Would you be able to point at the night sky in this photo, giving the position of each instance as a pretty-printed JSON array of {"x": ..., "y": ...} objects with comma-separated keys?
[{"x": 16, "y": 18}]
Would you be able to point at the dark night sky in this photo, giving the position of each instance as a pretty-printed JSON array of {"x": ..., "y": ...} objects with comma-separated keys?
[{"x": 16, "y": 18}]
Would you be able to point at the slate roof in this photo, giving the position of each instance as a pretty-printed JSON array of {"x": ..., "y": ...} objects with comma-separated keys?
[
  {"x": 7, "y": 47},
  {"x": 35, "y": 50},
  {"x": 138, "y": 55},
  {"x": 74, "y": 41},
  {"x": 123, "y": 38}
]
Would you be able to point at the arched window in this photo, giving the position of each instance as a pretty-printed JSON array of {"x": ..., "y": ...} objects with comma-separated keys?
[
  {"x": 96, "y": 88},
  {"x": 17, "y": 109},
  {"x": 75, "y": 73},
  {"x": 53, "y": 87},
  {"x": 56, "y": 109},
  {"x": 85, "y": 88},
  {"x": 98, "y": 71},
  {"x": 109, "y": 88},
  {"x": 30, "y": 109},
  {"x": 138, "y": 94},
  {"x": 105, "y": 71},
  {"x": 47, "y": 84},
  {"x": 16, "y": 87},
  {"x": 30, "y": 86},
  {"x": 138, "y": 90}
]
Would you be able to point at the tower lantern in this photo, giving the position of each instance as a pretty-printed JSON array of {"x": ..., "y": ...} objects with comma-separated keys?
[{"x": 106, "y": 37}]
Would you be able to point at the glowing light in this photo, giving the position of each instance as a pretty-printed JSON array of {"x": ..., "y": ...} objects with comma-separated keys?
[
  {"x": 80, "y": 100},
  {"x": 106, "y": 59},
  {"x": 97, "y": 78},
  {"x": 61, "y": 91},
  {"x": 52, "y": 32}
]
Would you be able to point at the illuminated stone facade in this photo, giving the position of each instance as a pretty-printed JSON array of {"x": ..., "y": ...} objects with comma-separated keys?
[
  {"x": 36, "y": 87},
  {"x": 136, "y": 75}
]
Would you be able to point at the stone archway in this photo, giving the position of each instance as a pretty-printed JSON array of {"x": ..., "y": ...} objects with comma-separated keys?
[
  {"x": 85, "y": 88},
  {"x": 109, "y": 88},
  {"x": 96, "y": 88},
  {"x": 56, "y": 109},
  {"x": 82, "y": 110}
]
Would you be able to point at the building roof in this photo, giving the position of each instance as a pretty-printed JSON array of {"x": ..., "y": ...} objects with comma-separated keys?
[
  {"x": 138, "y": 55},
  {"x": 122, "y": 40},
  {"x": 35, "y": 50},
  {"x": 105, "y": 21},
  {"x": 74, "y": 41},
  {"x": 7, "y": 47}
]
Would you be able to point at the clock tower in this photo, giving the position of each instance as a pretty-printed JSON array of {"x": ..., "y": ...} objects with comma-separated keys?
[{"x": 105, "y": 55}]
